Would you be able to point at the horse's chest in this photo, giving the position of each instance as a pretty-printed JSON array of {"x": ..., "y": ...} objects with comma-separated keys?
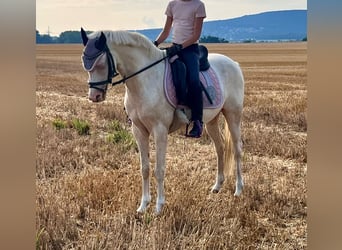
[{"x": 136, "y": 109}]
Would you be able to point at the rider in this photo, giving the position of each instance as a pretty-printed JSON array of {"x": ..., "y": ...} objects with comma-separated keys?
[{"x": 186, "y": 19}]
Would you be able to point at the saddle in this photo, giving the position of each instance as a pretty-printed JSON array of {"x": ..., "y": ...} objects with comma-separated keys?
[
  {"x": 178, "y": 71},
  {"x": 175, "y": 85}
]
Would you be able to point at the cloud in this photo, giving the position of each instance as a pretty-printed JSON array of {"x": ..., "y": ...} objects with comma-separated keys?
[
  {"x": 61, "y": 15},
  {"x": 50, "y": 4}
]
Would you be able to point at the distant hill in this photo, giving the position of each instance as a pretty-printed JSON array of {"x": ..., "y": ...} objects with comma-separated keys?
[
  {"x": 267, "y": 26},
  {"x": 273, "y": 25}
]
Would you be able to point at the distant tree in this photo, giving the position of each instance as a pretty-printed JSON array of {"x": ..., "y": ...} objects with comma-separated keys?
[
  {"x": 249, "y": 41},
  {"x": 70, "y": 37},
  {"x": 37, "y": 35},
  {"x": 212, "y": 39},
  {"x": 43, "y": 38},
  {"x": 304, "y": 39}
]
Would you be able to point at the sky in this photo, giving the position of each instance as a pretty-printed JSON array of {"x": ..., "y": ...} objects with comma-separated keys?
[{"x": 56, "y": 16}]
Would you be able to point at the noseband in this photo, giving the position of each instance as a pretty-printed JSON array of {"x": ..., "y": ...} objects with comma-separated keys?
[{"x": 111, "y": 69}]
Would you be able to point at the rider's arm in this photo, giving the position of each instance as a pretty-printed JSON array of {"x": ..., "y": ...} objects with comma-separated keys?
[{"x": 166, "y": 30}]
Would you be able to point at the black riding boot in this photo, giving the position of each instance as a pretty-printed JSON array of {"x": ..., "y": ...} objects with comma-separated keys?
[
  {"x": 196, "y": 112},
  {"x": 196, "y": 130}
]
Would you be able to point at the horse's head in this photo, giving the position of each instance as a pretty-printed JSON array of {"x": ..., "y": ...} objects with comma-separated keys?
[{"x": 98, "y": 62}]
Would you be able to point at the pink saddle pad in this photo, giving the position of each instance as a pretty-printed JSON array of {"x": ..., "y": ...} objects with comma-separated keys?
[{"x": 209, "y": 81}]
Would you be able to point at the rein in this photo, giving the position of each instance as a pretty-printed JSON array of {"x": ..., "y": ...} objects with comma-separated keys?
[{"x": 123, "y": 80}]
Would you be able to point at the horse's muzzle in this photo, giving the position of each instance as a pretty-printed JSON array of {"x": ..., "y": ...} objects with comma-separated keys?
[{"x": 96, "y": 95}]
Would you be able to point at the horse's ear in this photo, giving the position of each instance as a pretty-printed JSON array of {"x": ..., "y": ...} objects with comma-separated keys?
[
  {"x": 100, "y": 44},
  {"x": 84, "y": 37}
]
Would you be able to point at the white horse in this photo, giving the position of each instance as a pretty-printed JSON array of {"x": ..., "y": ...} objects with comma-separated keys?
[{"x": 149, "y": 110}]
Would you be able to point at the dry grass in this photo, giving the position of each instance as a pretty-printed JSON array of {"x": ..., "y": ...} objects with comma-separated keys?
[{"x": 88, "y": 187}]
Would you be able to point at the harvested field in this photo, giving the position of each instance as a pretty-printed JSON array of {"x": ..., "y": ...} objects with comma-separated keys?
[{"x": 87, "y": 170}]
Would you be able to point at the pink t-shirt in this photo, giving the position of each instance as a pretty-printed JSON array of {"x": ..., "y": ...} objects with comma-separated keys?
[{"x": 184, "y": 14}]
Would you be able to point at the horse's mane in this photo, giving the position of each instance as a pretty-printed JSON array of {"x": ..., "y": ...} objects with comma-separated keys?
[{"x": 129, "y": 38}]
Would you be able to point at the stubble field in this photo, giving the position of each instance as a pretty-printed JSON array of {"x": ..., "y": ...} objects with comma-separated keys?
[{"x": 88, "y": 182}]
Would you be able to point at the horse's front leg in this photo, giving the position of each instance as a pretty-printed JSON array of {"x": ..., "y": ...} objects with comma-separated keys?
[
  {"x": 160, "y": 135},
  {"x": 141, "y": 137}
]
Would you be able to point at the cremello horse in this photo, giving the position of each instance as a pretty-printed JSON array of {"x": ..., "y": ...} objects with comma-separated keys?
[{"x": 148, "y": 108}]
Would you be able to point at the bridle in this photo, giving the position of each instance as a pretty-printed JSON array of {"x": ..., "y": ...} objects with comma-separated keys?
[{"x": 112, "y": 70}]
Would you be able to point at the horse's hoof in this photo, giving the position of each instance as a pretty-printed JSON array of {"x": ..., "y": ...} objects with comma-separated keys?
[
  {"x": 140, "y": 210},
  {"x": 237, "y": 192},
  {"x": 159, "y": 208},
  {"x": 216, "y": 188},
  {"x": 238, "y": 188},
  {"x": 143, "y": 207}
]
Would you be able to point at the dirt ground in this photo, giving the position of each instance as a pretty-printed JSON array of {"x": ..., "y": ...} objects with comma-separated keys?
[{"x": 89, "y": 185}]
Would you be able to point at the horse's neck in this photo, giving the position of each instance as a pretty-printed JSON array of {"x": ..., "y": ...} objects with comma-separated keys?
[{"x": 130, "y": 60}]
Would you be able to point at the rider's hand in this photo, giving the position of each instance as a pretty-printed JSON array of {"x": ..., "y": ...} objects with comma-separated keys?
[
  {"x": 156, "y": 43},
  {"x": 173, "y": 50}
]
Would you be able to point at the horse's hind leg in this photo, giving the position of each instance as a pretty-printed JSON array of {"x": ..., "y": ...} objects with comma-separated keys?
[
  {"x": 214, "y": 132},
  {"x": 233, "y": 117},
  {"x": 143, "y": 144}
]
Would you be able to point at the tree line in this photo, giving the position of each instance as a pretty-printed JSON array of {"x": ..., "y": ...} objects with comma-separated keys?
[
  {"x": 64, "y": 37},
  {"x": 75, "y": 37}
]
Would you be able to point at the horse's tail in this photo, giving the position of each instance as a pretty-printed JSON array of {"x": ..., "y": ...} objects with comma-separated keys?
[{"x": 228, "y": 151}]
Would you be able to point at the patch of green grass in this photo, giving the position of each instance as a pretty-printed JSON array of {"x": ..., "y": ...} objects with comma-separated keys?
[
  {"x": 148, "y": 218},
  {"x": 38, "y": 237},
  {"x": 59, "y": 124},
  {"x": 120, "y": 136},
  {"x": 81, "y": 126},
  {"x": 114, "y": 126}
]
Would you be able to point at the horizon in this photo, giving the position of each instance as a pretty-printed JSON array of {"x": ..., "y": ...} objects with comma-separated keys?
[
  {"x": 204, "y": 21},
  {"x": 119, "y": 14}
]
